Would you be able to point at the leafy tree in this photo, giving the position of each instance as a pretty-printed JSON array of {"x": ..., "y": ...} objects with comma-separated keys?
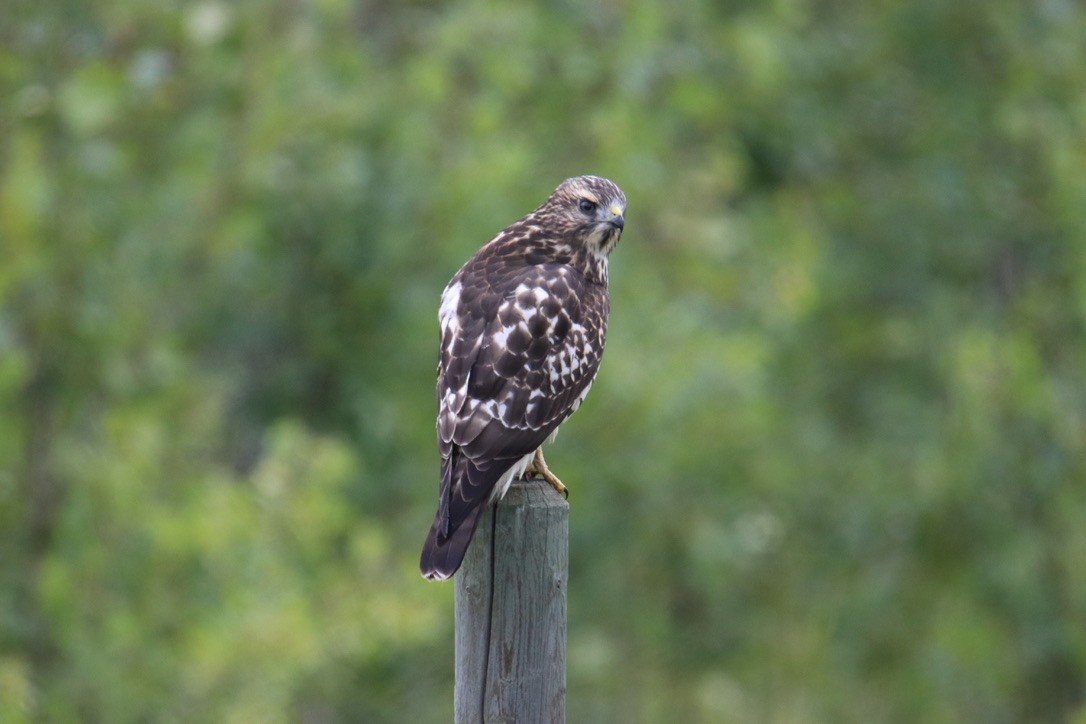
[{"x": 831, "y": 470}]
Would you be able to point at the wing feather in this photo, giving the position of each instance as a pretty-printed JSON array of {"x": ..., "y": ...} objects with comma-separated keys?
[{"x": 512, "y": 367}]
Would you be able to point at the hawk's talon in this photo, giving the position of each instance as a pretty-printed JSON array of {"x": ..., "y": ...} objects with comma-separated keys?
[{"x": 538, "y": 466}]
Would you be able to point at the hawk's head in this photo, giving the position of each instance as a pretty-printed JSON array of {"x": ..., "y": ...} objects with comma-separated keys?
[{"x": 587, "y": 213}]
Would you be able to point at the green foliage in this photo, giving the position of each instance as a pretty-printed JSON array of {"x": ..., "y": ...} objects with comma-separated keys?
[{"x": 832, "y": 469}]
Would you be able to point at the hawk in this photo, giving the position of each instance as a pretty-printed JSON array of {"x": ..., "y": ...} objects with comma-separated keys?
[{"x": 522, "y": 330}]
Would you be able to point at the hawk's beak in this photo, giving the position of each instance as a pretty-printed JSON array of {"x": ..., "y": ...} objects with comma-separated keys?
[{"x": 616, "y": 219}]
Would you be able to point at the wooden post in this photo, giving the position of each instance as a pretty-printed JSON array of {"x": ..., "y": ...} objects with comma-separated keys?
[{"x": 511, "y": 611}]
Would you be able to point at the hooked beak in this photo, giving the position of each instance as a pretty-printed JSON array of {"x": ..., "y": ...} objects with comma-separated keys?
[{"x": 616, "y": 219}]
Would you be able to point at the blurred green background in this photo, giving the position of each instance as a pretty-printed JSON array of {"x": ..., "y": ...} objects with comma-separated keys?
[{"x": 834, "y": 466}]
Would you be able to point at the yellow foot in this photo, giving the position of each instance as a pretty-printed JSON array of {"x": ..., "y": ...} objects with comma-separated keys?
[{"x": 538, "y": 466}]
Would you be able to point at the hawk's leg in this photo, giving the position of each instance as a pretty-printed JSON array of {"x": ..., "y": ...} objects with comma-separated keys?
[{"x": 538, "y": 466}]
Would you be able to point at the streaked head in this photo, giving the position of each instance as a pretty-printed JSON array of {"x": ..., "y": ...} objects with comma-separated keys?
[{"x": 589, "y": 211}]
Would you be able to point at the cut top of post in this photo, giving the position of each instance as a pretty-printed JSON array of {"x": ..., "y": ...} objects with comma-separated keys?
[{"x": 511, "y": 611}]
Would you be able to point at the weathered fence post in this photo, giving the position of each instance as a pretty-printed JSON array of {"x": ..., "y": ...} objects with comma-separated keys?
[{"x": 511, "y": 611}]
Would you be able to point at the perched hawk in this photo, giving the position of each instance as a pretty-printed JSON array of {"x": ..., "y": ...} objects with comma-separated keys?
[{"x": 522, "y": 331}]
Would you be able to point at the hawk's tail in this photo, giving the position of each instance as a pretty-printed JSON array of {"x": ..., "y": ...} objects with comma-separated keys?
[{"x": 441, "y": 555}]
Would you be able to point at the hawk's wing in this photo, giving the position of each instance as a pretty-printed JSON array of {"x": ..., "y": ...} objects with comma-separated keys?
[{"x": 512, "y": 367}]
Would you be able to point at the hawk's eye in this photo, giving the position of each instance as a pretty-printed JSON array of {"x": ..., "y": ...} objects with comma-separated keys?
[{"x": 586, "y": 206}]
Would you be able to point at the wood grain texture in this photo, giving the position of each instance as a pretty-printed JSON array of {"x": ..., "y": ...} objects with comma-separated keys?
[{"x": 511, "y": 611}]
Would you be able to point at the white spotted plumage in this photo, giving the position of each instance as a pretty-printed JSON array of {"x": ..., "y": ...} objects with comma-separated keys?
[{"x": 523, "y": 325}]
